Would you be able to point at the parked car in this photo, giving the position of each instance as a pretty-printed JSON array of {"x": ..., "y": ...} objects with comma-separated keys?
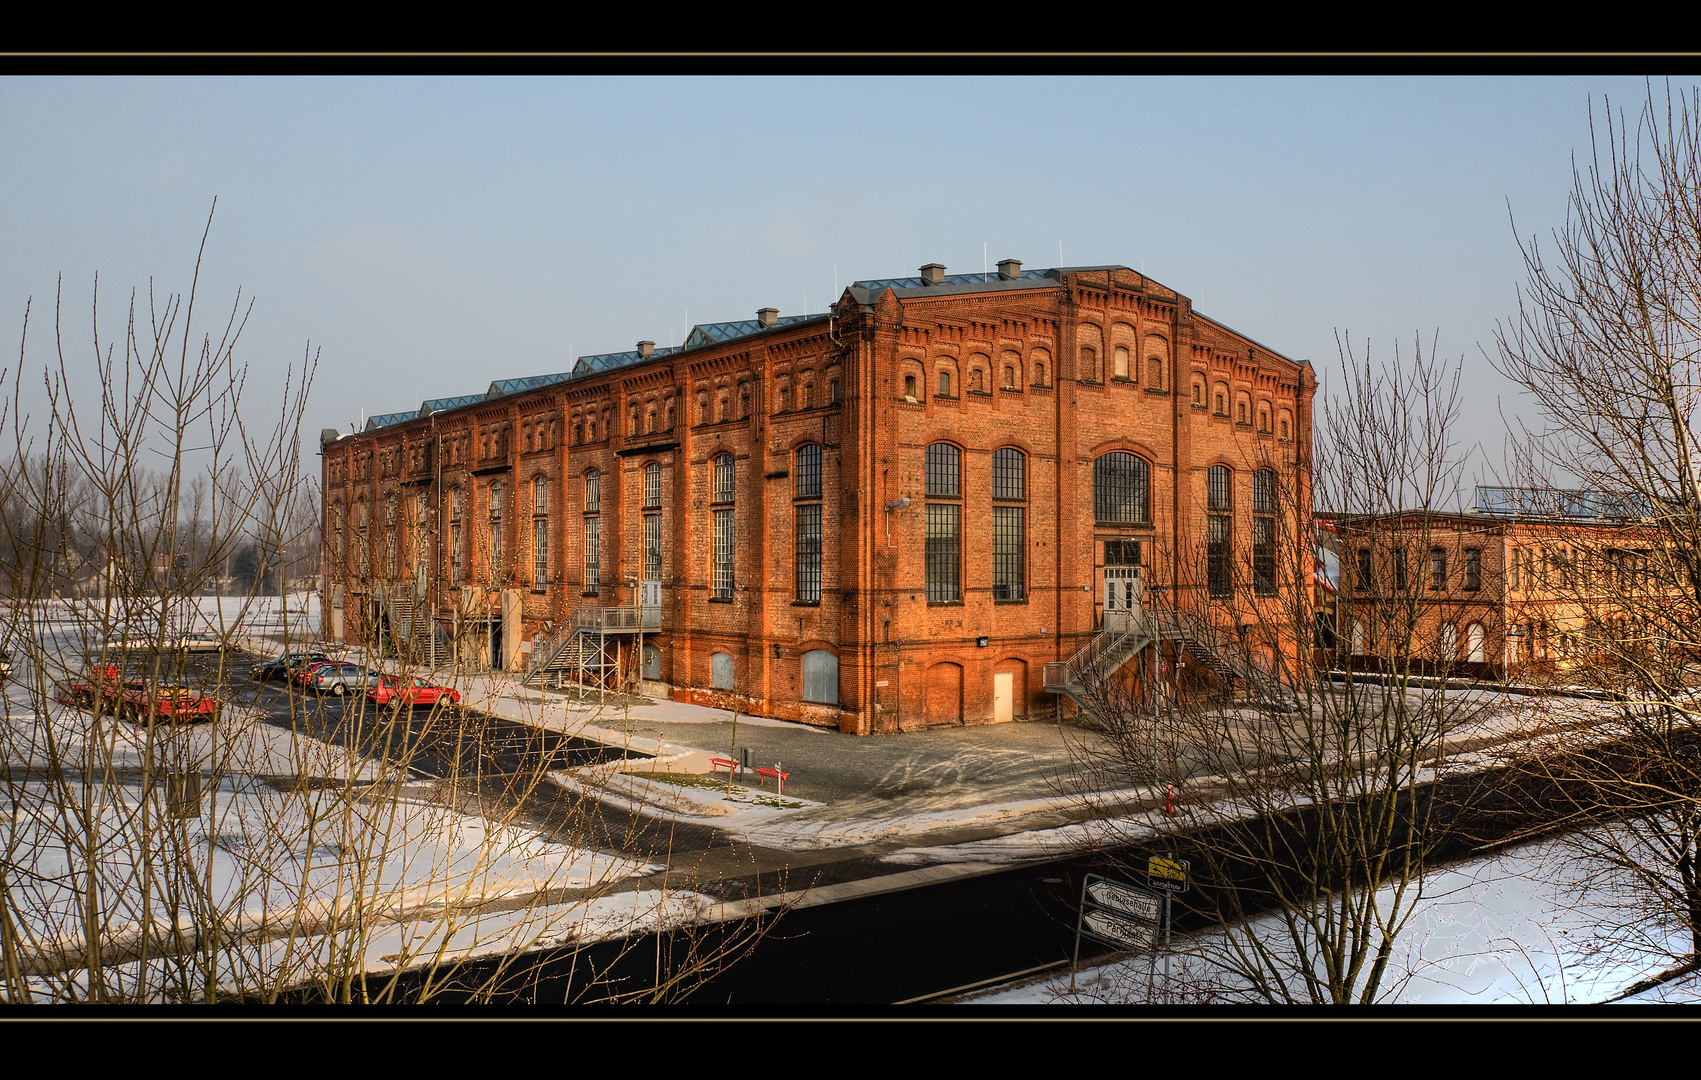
[
  {"x": 104, "y": 688},
  {"x": 283, "y": 666},
  {"x": 415, "y": 692},
  {"x": 337, "y": 678}
]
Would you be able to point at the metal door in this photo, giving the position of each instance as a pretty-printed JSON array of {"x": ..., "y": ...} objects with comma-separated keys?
[{"x": 1003, "y": 697}]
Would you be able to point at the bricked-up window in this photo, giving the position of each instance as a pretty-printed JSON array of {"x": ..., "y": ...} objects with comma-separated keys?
[
  {"x": 808, "y": 539},
  {"x": 1437, "y": 568},
  {"x": 495, "y": 529},
  {"x": 944, "y": 552},
  {"x": 1219, "y": 488},
  {"x": 723, "y": 481},
  {"x": 944, "y": 471},
  {"x": 652, "y": 486},
  {"x": 1119, "y": 365},
  {"x": 809, "y": 471},
  {"x": 652, "y": 547},
  {"x": 821, "y": 677},
  {"x": 540, "y": 533},
  {"x": 1473, "y": 568},
  {"x": 1219, "y": 570},
  {"x": 1122, "y": 489},
  {"x": 723, "y": 539}
]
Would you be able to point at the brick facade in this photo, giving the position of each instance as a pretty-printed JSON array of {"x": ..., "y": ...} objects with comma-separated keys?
[{"x": 1023, "y": 382}]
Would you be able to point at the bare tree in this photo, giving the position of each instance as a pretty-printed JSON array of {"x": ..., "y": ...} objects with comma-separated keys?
[
  {"x": 1296, "y": 780},
  {"x": 370, "y": 852},
  {"x": 1606, "y": 347}
]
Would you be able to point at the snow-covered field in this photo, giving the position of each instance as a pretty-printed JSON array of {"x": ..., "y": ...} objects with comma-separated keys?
[
  {"x": 255, "y": 856},
  {"x": 1528, "y": 926}
]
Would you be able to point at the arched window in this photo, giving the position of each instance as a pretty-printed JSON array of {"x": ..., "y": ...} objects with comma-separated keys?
[
  {"x": 944, "y": 544},
  {"x": 1009, "y": 377},
  {"x": 944, "y": 384},
  {"x": 1009, "y": 524},
  {"x": 720, "y": 671},
  {"x": 495, "y": 529},
  {"x": 820, "y": 677},
  {"x": 944, "y": 470},
  {"x": 540, "y": 533},
  {"x": 721, "y": 523},
  {"x": 593, "y": 531},
  {"x": 909, "y": 386},
  {"x": 1122, "y": 489},
  {"x": 1219, "y": 558}
]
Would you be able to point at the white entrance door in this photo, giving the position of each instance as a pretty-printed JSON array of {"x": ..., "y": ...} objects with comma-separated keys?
[
  {"x": 1121, "y": 596},
  {"x": 1003, "y": 697}
]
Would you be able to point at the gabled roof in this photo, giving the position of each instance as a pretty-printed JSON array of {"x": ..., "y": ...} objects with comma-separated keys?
[{"x": 714, "y": 333}]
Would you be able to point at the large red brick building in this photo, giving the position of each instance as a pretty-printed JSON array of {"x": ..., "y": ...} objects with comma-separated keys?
[{"x": 888, "y": 516}]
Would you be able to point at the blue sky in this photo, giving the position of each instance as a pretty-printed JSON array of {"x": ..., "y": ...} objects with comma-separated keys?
[{"x": 429, "y": 235}]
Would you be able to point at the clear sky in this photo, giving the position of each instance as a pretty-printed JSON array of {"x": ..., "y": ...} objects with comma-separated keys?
[{"x": 430, "y": 235}]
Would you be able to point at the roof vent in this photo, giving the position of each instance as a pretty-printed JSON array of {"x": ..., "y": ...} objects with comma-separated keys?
[
  {"x": 768, "y": 316},
  {"x": 646, "y": 348},
  {"x": 1009, "y": 269},
  {"x": 933, "y": 274}
]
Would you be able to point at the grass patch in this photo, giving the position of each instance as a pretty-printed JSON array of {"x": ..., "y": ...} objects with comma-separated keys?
[{"x": 739, "y": 793}]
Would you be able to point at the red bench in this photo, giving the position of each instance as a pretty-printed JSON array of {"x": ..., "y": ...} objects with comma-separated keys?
[
  {"x": 718, "y": 763},
  {"x": 779, "y": 778}
]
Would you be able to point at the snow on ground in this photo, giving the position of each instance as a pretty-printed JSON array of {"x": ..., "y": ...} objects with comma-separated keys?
[
  {"x": 673, "y": 801},
  {"x": 1514, "y": 928},
  {"x": 299, "y": 850}
]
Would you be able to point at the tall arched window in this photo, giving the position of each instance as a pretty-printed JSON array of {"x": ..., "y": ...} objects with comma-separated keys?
[
  {"x": 540, "y": 533},
  {"x": 495, "y": 530},
  {"x": 943, "y": 552},
  {"x": 1264, "y": 532},
  {"x": 1009, "y": 524},
  {"x": 724, "y": 486},
  {"x": 1122, "y": 489},
  {"x": 652, "y": 522},
  {"x": 593, "y": 531},
  {"x": 1219, "y": 530}
]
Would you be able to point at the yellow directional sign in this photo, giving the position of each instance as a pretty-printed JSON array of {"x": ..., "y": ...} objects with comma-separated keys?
[{"x": 1170, "y": 875}]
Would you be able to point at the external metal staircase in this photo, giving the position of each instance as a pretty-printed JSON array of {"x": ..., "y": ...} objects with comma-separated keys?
[
  {"x": 579, "y": 647},
  {"x": 417, "y": 637},
  {"x": 1089, "y": 678}
]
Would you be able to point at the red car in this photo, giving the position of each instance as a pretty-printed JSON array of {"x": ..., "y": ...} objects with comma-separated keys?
[
  {"x": 103, "y": 688},
  {"x": 417, "y": 692}
]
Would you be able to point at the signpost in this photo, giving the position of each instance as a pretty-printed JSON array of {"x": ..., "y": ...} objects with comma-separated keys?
[{"x": 1126, "y": 916}]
